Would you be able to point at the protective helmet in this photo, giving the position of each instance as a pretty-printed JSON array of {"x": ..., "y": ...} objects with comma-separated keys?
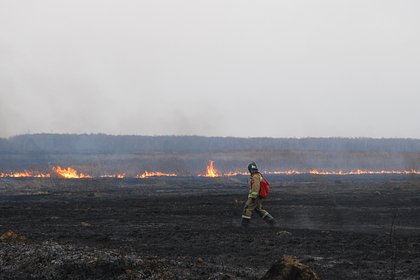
[{"x": 252, "y": 167}]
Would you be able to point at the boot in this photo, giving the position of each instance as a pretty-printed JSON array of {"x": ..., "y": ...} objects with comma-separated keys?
[
  {"x": 273, "y": 223},
  {"x": 270, "y": 220},
  {"x": 245, "y": 222}
]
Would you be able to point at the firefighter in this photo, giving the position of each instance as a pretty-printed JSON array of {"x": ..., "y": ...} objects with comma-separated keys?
[{"x": 253, "y": 202}]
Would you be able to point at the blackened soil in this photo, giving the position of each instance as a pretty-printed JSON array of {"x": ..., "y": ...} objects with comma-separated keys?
[{"x": 345, "y": 227}]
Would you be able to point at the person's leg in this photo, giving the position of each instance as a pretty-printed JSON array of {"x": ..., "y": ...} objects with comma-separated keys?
[
  {"x": 249, "y": 208},
  {"x": 264, "y": 214}
]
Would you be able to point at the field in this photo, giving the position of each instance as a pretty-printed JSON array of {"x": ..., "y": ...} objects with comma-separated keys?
[{"x": 344, "y": 227}]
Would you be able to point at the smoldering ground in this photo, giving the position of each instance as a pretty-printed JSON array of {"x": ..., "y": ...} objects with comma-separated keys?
[{"x": 171, "y": 228}]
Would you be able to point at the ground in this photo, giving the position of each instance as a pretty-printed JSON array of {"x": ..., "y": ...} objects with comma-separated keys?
[{"x": 344, "y": 227}]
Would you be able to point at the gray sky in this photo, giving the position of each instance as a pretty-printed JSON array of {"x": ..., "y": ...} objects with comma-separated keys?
[{"x": 214, "y": 68}]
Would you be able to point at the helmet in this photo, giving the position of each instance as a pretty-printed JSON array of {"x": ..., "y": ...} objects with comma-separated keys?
[{"x": 252, "y": 167}]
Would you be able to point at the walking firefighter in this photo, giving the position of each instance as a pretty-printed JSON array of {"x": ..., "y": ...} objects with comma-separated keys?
[{"x": 258, "y": 189}]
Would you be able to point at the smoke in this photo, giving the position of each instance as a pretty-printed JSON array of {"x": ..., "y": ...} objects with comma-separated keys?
[
  {"x": 9, "y": 116},
  {"x": 214, "y": 69}
]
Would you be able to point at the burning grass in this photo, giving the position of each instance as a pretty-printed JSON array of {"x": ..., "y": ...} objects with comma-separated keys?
[
  {"x": 148, "y": 174},
  {"x": 211, "y": 171}
]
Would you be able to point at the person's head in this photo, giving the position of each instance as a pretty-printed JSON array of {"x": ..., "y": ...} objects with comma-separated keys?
[{"x": 252, "y": 167}]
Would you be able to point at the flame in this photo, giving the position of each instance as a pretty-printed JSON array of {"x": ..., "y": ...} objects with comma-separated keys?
[
  {"x": 118, "y": 176},
  {"x": 235, "y": 173},
  {"x": 69, "y": 173},
  {"x": 147, "y": 174},
  {"x": 323, "y": 172},
  {"x": 341, "y": 172},
  {"x": 211, "y": 171},
  {"x": 25, "y": 174}
]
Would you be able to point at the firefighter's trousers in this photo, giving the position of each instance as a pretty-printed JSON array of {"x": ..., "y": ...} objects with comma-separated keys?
[{"x": 252, "y": 205}]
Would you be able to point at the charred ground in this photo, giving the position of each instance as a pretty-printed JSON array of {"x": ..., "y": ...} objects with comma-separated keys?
[{"x": 345, "y": 227}]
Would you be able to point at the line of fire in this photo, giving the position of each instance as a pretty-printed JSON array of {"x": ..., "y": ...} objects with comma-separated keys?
[{"x": 211, "y": 171}]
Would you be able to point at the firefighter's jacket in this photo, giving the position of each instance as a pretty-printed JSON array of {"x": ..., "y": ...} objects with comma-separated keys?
[{"x": 254, "y": 185}]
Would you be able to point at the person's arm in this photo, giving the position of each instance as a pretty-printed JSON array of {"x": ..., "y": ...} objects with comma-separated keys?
[{"x": 255, "y": 186}]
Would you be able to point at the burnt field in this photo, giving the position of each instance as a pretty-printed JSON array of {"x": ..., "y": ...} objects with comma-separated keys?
[{"x": 344, "y": 227}]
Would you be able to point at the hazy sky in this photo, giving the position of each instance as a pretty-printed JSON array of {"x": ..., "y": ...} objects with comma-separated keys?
[{"x": 214, "y": 68}]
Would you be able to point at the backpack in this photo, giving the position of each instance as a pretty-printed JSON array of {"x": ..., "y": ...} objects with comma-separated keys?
[{"x": 264, "y": 188}]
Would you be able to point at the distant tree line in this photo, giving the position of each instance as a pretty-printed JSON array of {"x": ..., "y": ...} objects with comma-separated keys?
[{"x": 126, "y": 144}]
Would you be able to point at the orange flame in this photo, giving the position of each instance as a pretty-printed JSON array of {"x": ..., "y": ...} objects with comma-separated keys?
[
  {"x": 147, "y": 174},
  {"x": 25, "y": 174},
  {"x": 211, "y": 171},
  {"x": 341, "y": 172},
  {"x": 118, "y": 176},
  {"x": 235, "y": 173},
  {"x": 69, "y": 173}
]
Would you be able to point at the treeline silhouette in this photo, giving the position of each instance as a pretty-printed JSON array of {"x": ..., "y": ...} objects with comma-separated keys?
[
  {"x": 110, "y": 144},
  {"x": 102, "y": 154}
]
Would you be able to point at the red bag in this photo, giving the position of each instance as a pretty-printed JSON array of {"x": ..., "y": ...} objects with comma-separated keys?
[{"x": 264, "y": 188}]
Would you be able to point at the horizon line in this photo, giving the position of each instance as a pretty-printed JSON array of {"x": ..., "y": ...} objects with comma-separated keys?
[{"x": 203, "y": 136}]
